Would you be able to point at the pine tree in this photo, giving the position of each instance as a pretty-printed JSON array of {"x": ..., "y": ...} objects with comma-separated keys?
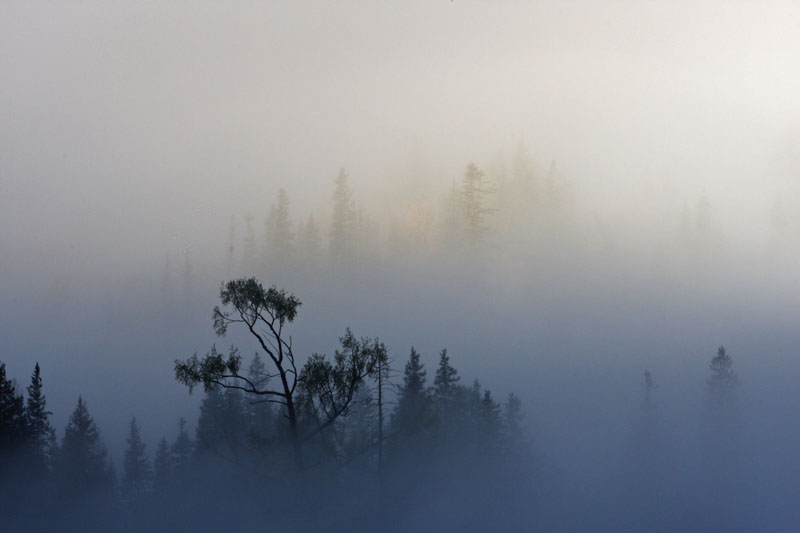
[
  {"x": 13, "y": 430},
  {"x": 40, "y": 431},
  {"x": 181, "y": 450},
  {"x": 279, "y": 232},
  {"x": 343, "y": 223},
  {"x": 445, "y": 382},
  {"x": 474, "y": 204},
  {"x": 411, "y": 413},
  {"x": 162, "y": 466},
  {"x": 82, "y": 458},
  {"x": 722, "y": 386},
  {"x": 136, "y": 472},
  {"x": 309, "y": 242},
  {"x": 489, "y": 423},
  {"x": 723, "y": 380}
]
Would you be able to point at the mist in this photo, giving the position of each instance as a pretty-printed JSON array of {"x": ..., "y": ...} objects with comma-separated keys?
[{"x": 581, "y": 202}]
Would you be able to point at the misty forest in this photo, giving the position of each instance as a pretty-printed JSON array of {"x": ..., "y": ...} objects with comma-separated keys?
[{"x": 445, "y": 266}]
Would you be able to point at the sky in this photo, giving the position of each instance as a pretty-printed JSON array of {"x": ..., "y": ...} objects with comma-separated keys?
[{"x": 133, "y": 132}]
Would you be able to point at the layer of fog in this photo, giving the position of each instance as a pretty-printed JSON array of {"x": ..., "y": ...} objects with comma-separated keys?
[{"x": 132, "y": 135}]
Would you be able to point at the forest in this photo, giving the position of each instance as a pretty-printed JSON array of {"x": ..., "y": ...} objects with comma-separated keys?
[
  {"x": 400, "y": 266},
  {"x": 365, "y": 439}
]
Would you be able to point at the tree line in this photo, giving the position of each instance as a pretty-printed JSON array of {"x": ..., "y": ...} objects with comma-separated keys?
[{"x": 347, "y": 431}]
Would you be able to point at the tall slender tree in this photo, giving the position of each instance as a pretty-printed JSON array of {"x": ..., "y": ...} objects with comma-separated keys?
[
  {"x": 41, "y": 433},
  {"x": 475, "y": 191},
  {"x": 13, "y": 430}
]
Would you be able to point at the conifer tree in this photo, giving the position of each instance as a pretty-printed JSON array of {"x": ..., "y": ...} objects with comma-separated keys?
[
  {"x": 279, "y": 232},
  {"x": 343, "y": 223},
  {"x": 136, "y": 474},
  {"x": 40, "y": 432},
  {"x": 162, "y": 466},
  {"x": 445, "y": 382},
  {"x": 181, "y": 450},
  {"x": 309, "y": 242},
  {"x": 82, "y": 458},
  {"x": 13, "y": 430},
  {"x": 474, "y": 204},
  {"x": 411, "y": 413}
]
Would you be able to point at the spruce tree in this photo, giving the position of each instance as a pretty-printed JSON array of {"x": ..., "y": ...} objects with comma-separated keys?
[
  {"x": 445, "y": 382},
  {"x": 343, "y": 223},
  {"x": 411, "y": 413},
  {"x": 136, "y": 472},
  {"x": 40, "y": 432},
  {"x": 13, "y": 427},
  {"x": 279, "y": 232},
  {"x": 474, "y": 205},
  {"x": 162, "y": 466},
  {"x": 181, "y": 450},
  {"x": 82, "y": 458}
]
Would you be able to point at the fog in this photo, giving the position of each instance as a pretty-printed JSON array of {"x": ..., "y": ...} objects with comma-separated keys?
[{"x": 637, "y": 207}]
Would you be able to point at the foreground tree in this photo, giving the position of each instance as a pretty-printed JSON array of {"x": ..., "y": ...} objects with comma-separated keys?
[{"x": 325, "y": 388}]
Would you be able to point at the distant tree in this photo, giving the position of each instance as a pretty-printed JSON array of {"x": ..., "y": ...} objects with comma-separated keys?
[
  {"x": 230, "y": 249},
  {"x": 279, "y": 232},
  {"x": 13, "y": 427},
  {"x": 181, "y": 451},
  {"x": 249, "y": 248},
  {"x": 136, "y": 473},
  {"x": 489, "y": 424},
  {"x": 723, "y": 380},
  {"x": 223, "y": 424},
  {"x": 82, "y": 459},
  {"x": 162, "y": 466},
  {"x": 412, "y": 413},
  {"x": 41, "y": 432},
  {"x": 475, "y": 191},
  {"x": 512, "y": 423},
  {"x": 343, "y": 222},
  {"x": 722, "y": 385},
  {"x": 445, "y": 382},
  {"x": 309, "y": 242}
]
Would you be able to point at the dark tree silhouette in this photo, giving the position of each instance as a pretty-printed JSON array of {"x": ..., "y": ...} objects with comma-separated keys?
[
  {"x": 445, "y": 382},
  {"x": 41, "y": 433},
  {"x": 13, "y": 430},
  {"x": 82, "y": 458},
  {"x": 326, "y": 388}
]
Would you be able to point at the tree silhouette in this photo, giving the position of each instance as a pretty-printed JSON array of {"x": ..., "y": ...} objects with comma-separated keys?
[
  {"x": 13, "y": 430},
  {"x": 82, "y": 457},
  {"x": 40, "y": 431},
  {"x": 136, "y": 473},
  {"x": 325, "y": 388}
]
